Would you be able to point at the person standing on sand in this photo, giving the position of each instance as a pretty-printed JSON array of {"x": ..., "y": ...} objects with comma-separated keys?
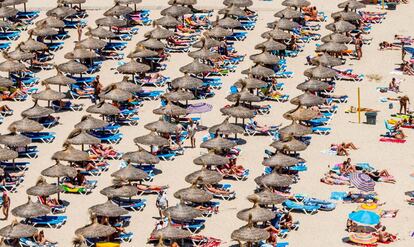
[
  {"x": 192, "y": 129},
  {"x": 358, "y": 46},
  {"x": 161, "y": 203},
  {"x": 6, "y": 205},
  {"x": 404, "y": 101},
  {"x": 97, "y": 86},
  {"x": 79, "y": 29}
]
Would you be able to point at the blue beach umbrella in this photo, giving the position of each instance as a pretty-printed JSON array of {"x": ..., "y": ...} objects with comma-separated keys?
[{"x": 364, "y": 217}]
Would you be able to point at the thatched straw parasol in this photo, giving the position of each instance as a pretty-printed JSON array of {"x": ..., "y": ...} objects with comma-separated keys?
[
  {"x": 258, "y": 70},
  {"x": 337, "y": 38},
  {"x": 250, "y": 83},
  {"x": 313, "y": 85},
  {"x": 110, "y": 21},
  {"x": 204, "y": 54},
  {"x": 100, "y": 32},
  {"x": 5, "y": 82},
  {"x": 6, "y": 12},
  {"x": 296, "y": 3},
  {"x": 326, "y": 60},
  {"x": 270, "y": 45},
  {"x": 43, "y": 189},
  {"x": 88, "y": 122},
  {"x": 176, "y": 11},
  {"x": 346, "y": 16},
  {"x": 280, "y": 160},
  {"x": 108, "y": 209},
  {"x": 218, "y": 32},
  {"x": 59, "y": 79},
  {"x": 351, "y": 4},
  {"x": 119, "y": 191},
  {"x": 37, "y": 111},
  {"x": 152, "y": 139},
  {"x": 70, "y": 154},
  {"x": 72, "y": 67},
  {"x": 211, "y": 159},
  {"x": 195, "y": 67},
  {"x": 133, "y": 67},
  {"x": 161, "y": 126},
  {"x": 159, "y": 33},
  {"x": 266, "y": 197},
  {"x": 301, "y": 114},
  {"x": 206, "y": 43},
  {"x": 204, "y": 176},
  {"x": 171, "y": 232},
  {"x": 167, "y": 21},
  {"x": 232, "y": 10},
  {"x": 182, "y": 212},
  {"x": 238, "y": 112},
  {"x": 14, "y": 140},
  {"x": 118, "y": 10},
  {"x": 51, "y": 21},
  {"x": 81, "y": 137},
  {"x": 170, "y": 110},
  {"x": 193, "y": 194},
  {"x": 48, "y": 95},
  {"x": 95, "y": 230},
  {"x": 19, "y": 54},
  {"x": 7, "y": 154},
  {"x": 226, "y": 128},
  {"x": 186, "y": 82},
  {"x": 320, "y": 72},
  {"x": 151, "y": 43},
  {"x": 265, "y": 58},
  {"x": 290, "y": 144},
  {"x": 130, "y": 173},
  {"x": 307, "y": 99},
  {"x": 276, "y": 34},
  {"x": 256, "y": 214},
  {"x": 103, "y": 108},
  {"x": 274, "y": 179},
  {"x": 17, "y": 230},
  {"x": 288, "y": 13},
  {"x": 179, "y": 95},
  {"x": 113, "y": 93},
  {"x": 243, "y": 96},
  {"x": 61, "y": 12},
  {"x": 30, "y": 210},
  {"x": 331, "y": 47},
  {"x": 340, "y": 27},
  {"x": 295, "y": 129},
  {"x": 229, "y": 23},
  {"x": 26, "y": 125},
  {"x": 59, "y": 170},
  {"x": 141, "y": 157},
  {"x": 142, "y": 52},
  {"x": 218, "y": 143},
  {"x": 249, "y": 234},
  {"x": 239, "y": 3}
]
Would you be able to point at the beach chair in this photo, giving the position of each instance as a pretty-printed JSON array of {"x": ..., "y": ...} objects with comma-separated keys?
[
  {"x": 51, "y": 221},
  {"x": 237, "y": 36},
  {"x": 30, "y": 242},
  {"x": 42, "y": 137},
  {"x": 323, "y": 204},
  {"x": 124, "y": 237},
  {"x": 110, "y": 138},
  {"x": 67, "y": 106},
  {"x": 194, "y": 226},
  {"x": 131, "y": 204},
  {"x": 239, "y": 177},
  {"x": 4, "y": 46},
  {"x": 115, "y": 46},
  {"x": 150, "y": 95},
  {"x": 292, "y": 206},
  {"x": 11, "y": 36},
  {"x": 226, "y": 187},
  {"x": 321, "y": 130},
  {"x": 73, "y": 24},
  {"x": 168, "y": 156},
  {"x": 48, "y": 122},
  {"x": 252, "y": 130},
  {"x": 30, "y": 152}
]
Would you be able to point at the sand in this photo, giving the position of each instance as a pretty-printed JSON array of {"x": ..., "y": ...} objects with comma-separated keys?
[{"x": 322, "y": 229}]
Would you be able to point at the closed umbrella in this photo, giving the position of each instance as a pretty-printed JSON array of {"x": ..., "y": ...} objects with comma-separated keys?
[
  {"x": 313, "y": 86},
  {"x": 204, "y": 176},
  {"x": 362, "y": 182},
  {"x": 26, "y": 125},
  {"x": 141, "y": 157},
  {"x": 30, "y": 210},
  {"x": 152, "y": 139},
  {"x": 274, "y": 179},
  {"x": 130, "y": 173},
  {"x": 161, "y": 126},
  {"x": 364, "y": 217},
  {"x": 218, "y": 143},
  {"x": 108, "y": 209},
  {"x": 211, "y": 159},
  {"x": 17, "y": 230},
  {"x": 103, "y": 108},
  {"x": 340, "y": 27},
  {"x": 280, "y": 160},
  {"x": 307, "y": 99}
]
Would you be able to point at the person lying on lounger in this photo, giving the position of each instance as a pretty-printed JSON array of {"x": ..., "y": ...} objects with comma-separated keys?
[
  {"x": 384, "y": 45},
  {"x": 286, "y": 221},
  {"x": 381, "y": 176},
  {"x": 217, "y": 191},
  {"x": 5, "y": 108},
  {"x": 273, "y": 232},
  {"x": 332, "y": 178},
  {"x": 229, "y": 169},
  {"x": 51, "y": 202},
  {"x": 154, "y": 188},
  {"x": 342, "y": 149},
  {"x": 103, "y": 151}
]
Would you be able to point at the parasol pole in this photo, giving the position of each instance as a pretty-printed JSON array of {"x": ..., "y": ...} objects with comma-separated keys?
[{"x": 359, "y": 105}]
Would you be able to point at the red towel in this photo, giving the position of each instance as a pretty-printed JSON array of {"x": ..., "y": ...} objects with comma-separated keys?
[
  {"x": 408, "y": 126},
  {"x": 392, "y": 140}
]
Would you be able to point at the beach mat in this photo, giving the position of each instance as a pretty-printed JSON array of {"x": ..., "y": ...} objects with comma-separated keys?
[
  {"x": 391, "y": 140},
  {"x": 338, "y": 195},
  {"x": 407, "y": 126}
]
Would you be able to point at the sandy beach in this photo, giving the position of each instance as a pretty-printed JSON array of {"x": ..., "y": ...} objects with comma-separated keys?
[{"x": 321, "y": 229}]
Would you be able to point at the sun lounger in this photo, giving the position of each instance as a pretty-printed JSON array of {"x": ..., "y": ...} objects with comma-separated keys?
[
  {"x": 110, "y": 138},
  {"x": 42, "y": 137},
  {"x": 150, "y": 95},
  {"x": 252, "y": 130},
  {"x": 239, "y": 177},
  {"x": 237, "y": 36},
  {"x": 321, "y": 130},
  {"x": 30, "y": 152},
  {"x": 75, "y": 23},
  {"x": 225, "y": 187},
  {"x": 15, "y": 166},
  {"x": 55, "y": 46},
  {"x": 131, "y": 204},
  {"x": 51, "y": 221},
  {"x": 12, "y": 35},
  {"x": 292, "y": 206},
  {"x": 30, "y": 242}
]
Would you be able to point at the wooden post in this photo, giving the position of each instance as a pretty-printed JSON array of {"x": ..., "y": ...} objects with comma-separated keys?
[{"x": 359, "y": 105}]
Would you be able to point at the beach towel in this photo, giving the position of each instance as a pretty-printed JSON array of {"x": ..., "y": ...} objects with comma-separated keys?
[
  {"x": 338, "y": 195},
  {"x": 391, "y": 140},
  {"x": 329, "y": 152}
]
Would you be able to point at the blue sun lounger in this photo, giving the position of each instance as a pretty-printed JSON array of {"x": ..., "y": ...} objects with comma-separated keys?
[
  {"x": 280, "y": 244},
  {"x": 30, "y": 152},
  {"x": 324, "y": 205},
  {"x": 193, "y": 226},
  {"x": 321, "y": 130},
  {"x": 4, "y": 46},
  {"x": 42, "y": 137},
  {"x": 109, "y": 138},
  {"x": 11, "y": 35},
  {"x": 51, "y": 221},
  {"x": 16, "y": 166},
  {"x": 55, "y": 46},
  {"x": 237, "y": 36},
  {"x": 115, "y": 46},
  {"x": 150, "y": 95},
  {"x": 48, "y": 122},
  {"x": 131, "y": 205},
  {"x": 124, "y": 237},
  {"x": 87, "y": 80},
  {"x": 293, "y": 206},
  {"x": 75, "y": 23}
]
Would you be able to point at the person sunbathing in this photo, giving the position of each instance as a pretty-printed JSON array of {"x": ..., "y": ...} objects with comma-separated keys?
[
  {"x": 346, "y": 167},
  {"x": 88, "y": 166},
  {"x": 103, "y": 151},
  {"x": 334, "y": 181},
  {"x": 358, "y": 197},
  {"x": 261, "y": 128},
  {"x": 273, "y": 232},
  {"x": 406, "y": 68},
  {"x": 381, "y": 176},
  {"x": 230, "y": 169},
  {"x": 398, "y": 133},
  {"x": 151, "y": 188},
  {"x": 217, "y": 191},
  {"x": 342, "y": 149},
  {"x": 385, "y": 237},
  {"x": 312, "y": 15},
  {"x": 384, "y": 45},
  {"x": 5, "y": 108},
  {"x": 40, "y": 238},
  {"x": 10, "y": 94},
  {"x": 286, "y": 221}
]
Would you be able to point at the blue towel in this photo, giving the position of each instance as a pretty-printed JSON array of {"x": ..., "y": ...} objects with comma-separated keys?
[{"x": 339, "y": 195}]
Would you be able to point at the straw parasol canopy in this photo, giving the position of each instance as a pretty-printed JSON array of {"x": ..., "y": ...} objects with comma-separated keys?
[
  {"x": 118, "y": 10},
  {"x": 337, "y": 38},
  {"x": 119, "y": 191},
  {"x": 72, "y": 67},
  {"x": 37, "y": 111},
  {"x": 80, "y": 53},
  {"x": 351, "y": 4},
  {"x": 238, "y": 112},
  {"x": 6, "y": 12},
  {"x": 320, "y": 72},
  {"x": 182, "y": 2},
  {"x": 59, "y": 79},
  {"x": 81, "y": 137},
  {"x": 59, "y": 170},
  {"x": 296, "y": 3},
  {"x": 313, "y": 85},
  {"x": 228, "y": 22},
  {"x": 171, "y": 232},
  {"x": 176, "y": 11},
  {"x": 295, "y": 129},
  {"x": 92, "y": 43},
  {"x": 274, "y": 179},
  {"x": 17, "y": 230},
  {"x": 26, "y": 125},
  {"x": 326, "y": 60},
  {"x": 307, "y": 99},
  {"x": 211, "y": 159},
  {"x": 30, "y": 209},
  {"x": 61, "y": 11},
  {"x": 346, "y": 16},
  {"x": 182, "y": 212},
  {"x": 128, "y": 1},
  {"x": 276, "y": 34},
  {"x": 244, "y": 96},
  {"x": 226, "y": 128},
  {"x": 72, "y": 1},
  {"x": 142, "y": 52},
  {"x": 249, "y": 234},
  {"x": 152, "y": 139},
  {"x": 256, "y": 214},
  {"x": 207, "y": 43},
  {"x": 133, "y": 67},
  {"x": 259, "y": 70},
  {"x": 186, "y": 82},
  {"x": 265, "y": 58},
  {"x": 179, "y": 95},
  {"x": 233, "y": 10},
  {"x": 100, "y": 32},
  {"x": 288, "y": 13},
  {"x": 193, "y": 194},
  {"x": 250, "y": 83},
  {"x": 43, "y": 31},
  {"x": 170, "y": 110},
  {"x": 11, "y": 66},
  {"x": 141, "y": 157},
  {"x": 51, "y": 21},
  {"x": 340, "y": 27},
  {"x": 33, "y": 45},
  {"x": 301, "y": 114},
  {"x": 218, "y": 32},
  {"x": 115, "y": 94},
  {"x": 204, "y": 176},
  {"x": 125, "y": 85},
  {"x": 103, "y": 108},
  {"x": 70, "y": 154},
  {"x": 195, "y": 67},
  {"x": 5, "y": 82},
  {"x": 159, "y": 33},
  {"x": 270, "y": 45},
  {"x": 48, "y": 95},
  {"x": 161, "y": 126},
  {"x": 7, "y": 154},
  {"x": 151, "y": 43},
  {"x": 95, "y": 230},
  {"x": 108, "y": 209},
  {"x": 19, "y": 54},
  {"x": 284, "y": 24},
  {"x": 204, "y": 53},
  {"x": 239, "y": 3},
  {"x": 218, "y": 143},
  {"x": 88, "y": 122},
  {"x": 14, "y": 140},
  {"x": 331, "y": 47},
  {"x": 167, "y": 21},
  {"x": 280, "y": 160},
  {"x": 130, "y": 173},
  {"x": 266, "y": 197},
  {"x": 110, "y": 21},
  {"x": 43, "y": 189}
]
